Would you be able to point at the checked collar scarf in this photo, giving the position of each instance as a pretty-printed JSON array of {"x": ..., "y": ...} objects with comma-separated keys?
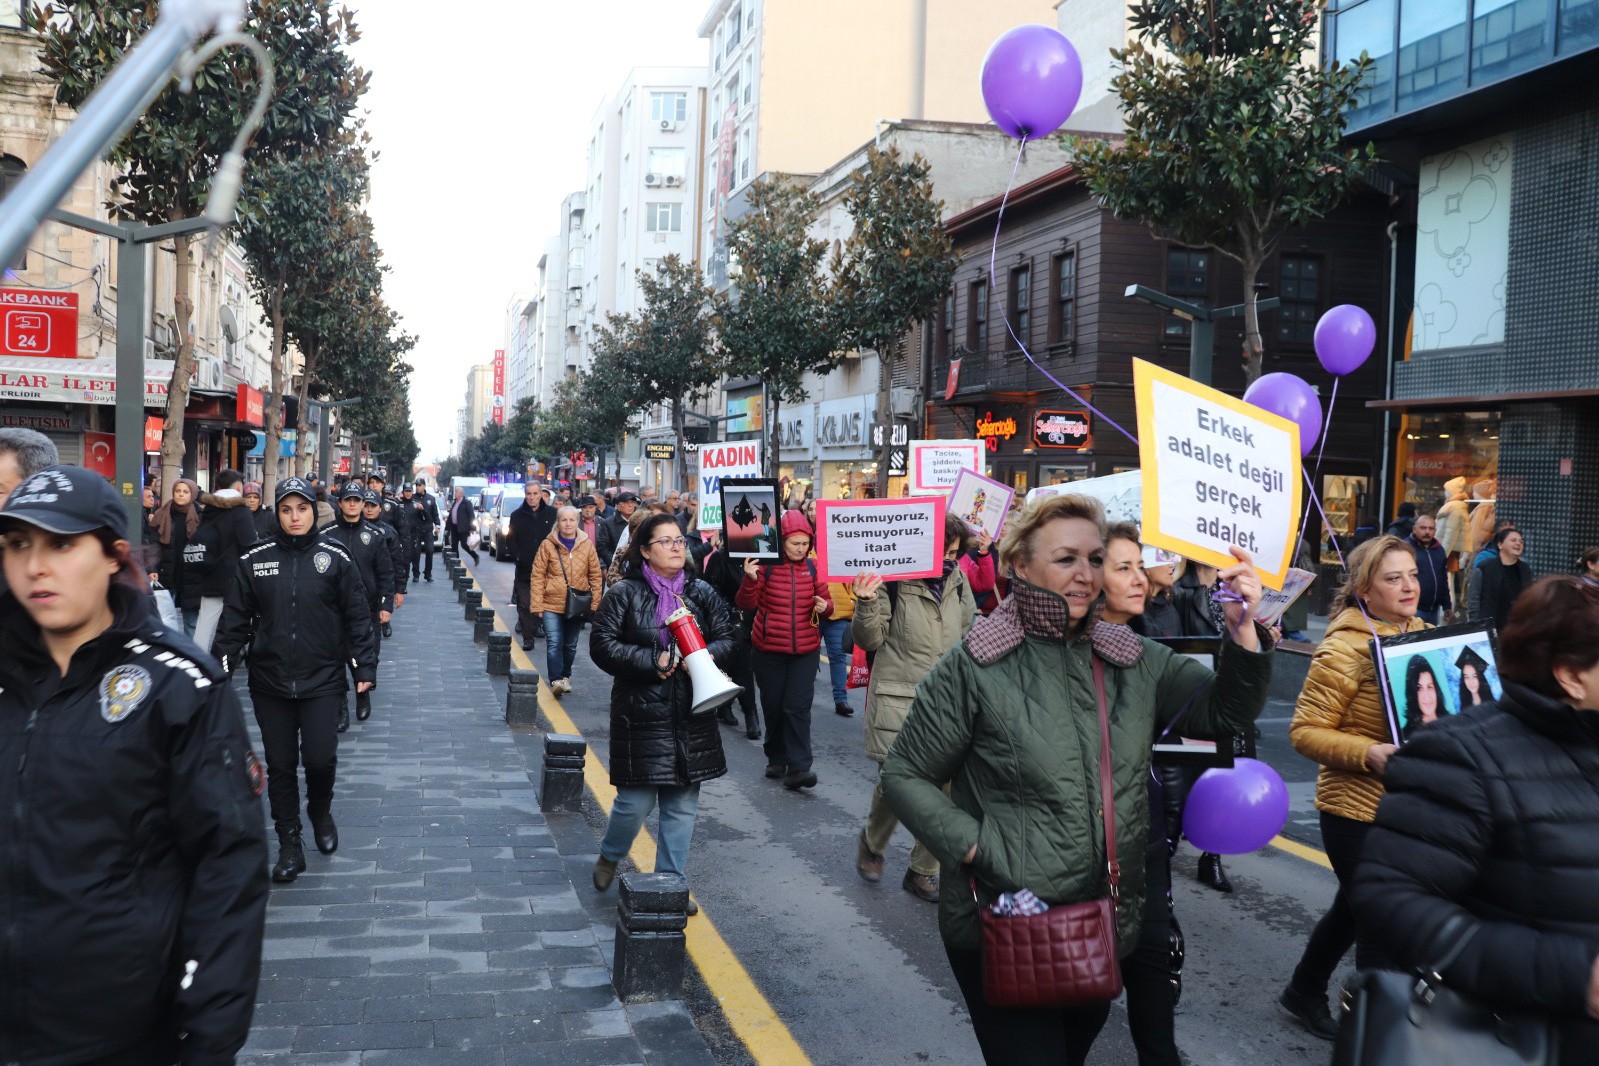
[{"x": 1030, "y": 611}]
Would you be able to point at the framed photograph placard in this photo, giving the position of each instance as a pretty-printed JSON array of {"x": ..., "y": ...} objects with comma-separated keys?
[
  {"x": 751, "y": 517},
  {"x": 1435, "y": 673}
]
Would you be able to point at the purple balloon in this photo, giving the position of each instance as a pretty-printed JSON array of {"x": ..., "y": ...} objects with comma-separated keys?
[
  {"x": 1232, "y": 812},
  {"x": 1288, "y": 395},
  {"x": 1345, "y": 338},
  {"x": 1032, "y": 78}
]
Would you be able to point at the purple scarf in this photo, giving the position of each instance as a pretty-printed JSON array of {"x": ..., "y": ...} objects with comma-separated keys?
[{"x": 668, "y": 594}]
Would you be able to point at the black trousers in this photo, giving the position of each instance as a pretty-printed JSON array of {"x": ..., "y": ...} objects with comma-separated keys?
[
  {"x": 1013, "y": 1036},
  {"x": 531, "y": 622},
  {"x": 787, "y": 683},
  {"x": 1343, "y": 839},
  {"x": 740, "y": 667},
  {"x": 423, "y": 551},
  {"x": 1152, "y": 973},
  {"x": 296, "y": 732}
]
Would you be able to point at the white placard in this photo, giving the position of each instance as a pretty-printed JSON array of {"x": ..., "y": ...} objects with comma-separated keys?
[
  {"x": 735, "y": 459},
  {"x": 935, "y": 464},
  {"x": 1273, "y": 602}
]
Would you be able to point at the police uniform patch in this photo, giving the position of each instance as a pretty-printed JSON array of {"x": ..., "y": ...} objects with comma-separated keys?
[
  {"x": 257, "y": 775},
  {"x": 366, "y": 538},
  {"x": 322, "y": 560},
  {"x": 122, "y": 690}
]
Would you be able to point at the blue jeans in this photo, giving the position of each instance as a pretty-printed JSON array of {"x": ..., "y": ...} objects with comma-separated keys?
[
  {"x": 833, "y": 630},
  {"x": 680, "y": 805},
  {"x": 560, "y": 645},
  {"x": 191, "y": 621}
]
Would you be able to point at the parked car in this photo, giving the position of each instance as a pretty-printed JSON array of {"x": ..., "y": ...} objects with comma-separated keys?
[{"x": 495, "y": 528}]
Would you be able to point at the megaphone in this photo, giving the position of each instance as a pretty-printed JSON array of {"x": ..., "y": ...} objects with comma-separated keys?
[{"x": 712, "y": 688}]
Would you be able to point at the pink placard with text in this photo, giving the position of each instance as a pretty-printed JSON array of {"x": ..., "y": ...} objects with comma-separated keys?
[{"x": 894, "y": 539}]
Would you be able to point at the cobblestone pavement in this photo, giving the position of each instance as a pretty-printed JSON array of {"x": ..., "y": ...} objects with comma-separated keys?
[{"x": 446, "y": 928}]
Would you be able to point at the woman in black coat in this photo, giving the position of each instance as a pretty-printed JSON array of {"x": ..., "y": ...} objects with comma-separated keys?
[
  {"x": 660, "y": 751},
  {"x": 1489, "y": 829}
]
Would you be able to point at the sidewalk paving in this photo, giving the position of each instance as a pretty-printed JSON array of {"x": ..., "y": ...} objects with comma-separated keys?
[{"x": 446, "y": 928}]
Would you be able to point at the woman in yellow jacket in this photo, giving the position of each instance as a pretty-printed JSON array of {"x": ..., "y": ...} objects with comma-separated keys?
[
  {"x": 566, "y": 559},
  {"x": 1341, "y": 722}
]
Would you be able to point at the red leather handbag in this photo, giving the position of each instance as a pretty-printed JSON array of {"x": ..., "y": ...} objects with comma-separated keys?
[{"x": 1066, "y": 955}]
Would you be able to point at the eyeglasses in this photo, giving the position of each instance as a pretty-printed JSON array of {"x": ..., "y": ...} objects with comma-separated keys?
[{"x": 669, "y": 542}]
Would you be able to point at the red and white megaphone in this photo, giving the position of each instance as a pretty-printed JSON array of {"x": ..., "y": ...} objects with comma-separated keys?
[{"x": 712, "y": 688}]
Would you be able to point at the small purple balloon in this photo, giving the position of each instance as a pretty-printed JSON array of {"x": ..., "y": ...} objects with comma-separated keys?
[
  {"x": 1032, "y": 78},
  {"x": 1236, "y": 811},
  {"x": 1345, "y": 338},
  {"x": 1289, "y": 396}
]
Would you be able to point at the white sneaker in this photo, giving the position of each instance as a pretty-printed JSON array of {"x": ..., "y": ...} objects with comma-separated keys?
[{"x": 561, "y": 687}]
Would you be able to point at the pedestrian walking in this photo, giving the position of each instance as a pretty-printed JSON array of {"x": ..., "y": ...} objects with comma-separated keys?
[
  {"x": 906, "y": 627},
  {"x": 1432, "y": 570},
  {"x": 978, "y": 564},
  {"x": 610, "y": 540},
  {"x": 725, "y": 575},
  {"x": 134, "y": 904},
  {"x": 372, "y": 511},
  {"x": 1028, "y": 815},
  {"x": 789, "y": 600},
  {"x": 462, "y": 523},
  {"x": 660, "y": 751},
  {"x": 175, "y": 523},
  {"x": 1341, "y": 723},
  {"x": 531, "y": 524},
  {"x": 407, "y": 520},
  {"x": 565, "y": 564},
  {"x": 388, "y": 504},
  {"x": 1404, "y": 522},
  {"x": 365, "y": 546},
  {"x": 1499, "y": 579},
  {"x": 262, "y": 517},
  {"x": 838, "y": 637},
  {"x": 25, "y": 452},
  {"x": 427, "y": 530},
  {"x": 226, "y": 531},
  {"x": 1483, "y": 862},
  {"x": 1160, "y": 617},
  {"x": 299, "y": 606}
]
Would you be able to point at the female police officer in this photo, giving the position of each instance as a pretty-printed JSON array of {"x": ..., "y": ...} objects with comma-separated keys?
[
  {"x": 131, "y": 847},
  {"x": 298, "y": 603}
]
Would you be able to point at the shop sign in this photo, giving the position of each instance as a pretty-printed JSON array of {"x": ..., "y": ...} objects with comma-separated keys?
[
  {"x": 995, "y": 430},
  {"x": 39, "y": 323},
  {"x": 791, "y": 435},
  {"x": 842, "y": 423},
  {"x": 660, "y": 451},
  {"x": 154, "y": 426},
  {"x": 78, "y": 380},
  {"x": 744, "y": 415},
  {"x": 1061, "y": 429},
  {"x": 40, "y": 421},
  {"x": 250, "y": 407}
]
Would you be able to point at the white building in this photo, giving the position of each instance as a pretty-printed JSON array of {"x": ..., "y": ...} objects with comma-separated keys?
[
  {"x": 521, "y": 346},
  {"x": 562, "y": 286}
]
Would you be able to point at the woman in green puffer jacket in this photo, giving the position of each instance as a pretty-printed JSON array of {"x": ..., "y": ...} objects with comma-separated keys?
[{"x": 1010, "y": 720}]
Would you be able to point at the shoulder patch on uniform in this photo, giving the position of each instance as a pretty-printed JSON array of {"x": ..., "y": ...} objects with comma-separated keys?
[
  {"x": 335, "y": 548},
  {"x": 263, "y": 546},
  {"x": 322, "y": 560},
  {"x": 122, "y": 690}
]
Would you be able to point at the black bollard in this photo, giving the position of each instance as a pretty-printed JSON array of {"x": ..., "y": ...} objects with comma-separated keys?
[
  {"x": 474, "y": 600},
  {"x": 499, "y": 663},
  {"x": 562, "y": 786},
  {"x": 650, "y": 947},
  {"x": 522, "y": 707},
  {"x": 482, "y": 624},
  {"x": 466, "y": 586}
]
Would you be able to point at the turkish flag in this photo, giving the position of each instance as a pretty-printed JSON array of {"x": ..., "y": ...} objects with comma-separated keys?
[
  {"x": 100, "y": 454},
  {"x": 953, "y": 381}
]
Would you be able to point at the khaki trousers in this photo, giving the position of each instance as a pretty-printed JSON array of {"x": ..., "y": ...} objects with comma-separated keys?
[{"x": 880, "y": 826}]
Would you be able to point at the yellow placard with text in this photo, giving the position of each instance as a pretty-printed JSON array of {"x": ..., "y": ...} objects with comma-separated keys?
[{"x": 1217, "y": 472}]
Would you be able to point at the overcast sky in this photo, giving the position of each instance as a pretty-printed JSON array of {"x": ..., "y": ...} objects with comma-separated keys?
[{"x": 480, "y": 114}]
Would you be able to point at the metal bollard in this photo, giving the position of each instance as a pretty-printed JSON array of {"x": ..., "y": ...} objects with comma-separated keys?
[
  {"x": 562, "y": 786},
  {"x": 499, "y": 663},
  {"x": 522, "y": 707},
  {"x": 474, "y": 600},
  {"x": 650, "y": 947},
  {"x": 482, "y": 624}
]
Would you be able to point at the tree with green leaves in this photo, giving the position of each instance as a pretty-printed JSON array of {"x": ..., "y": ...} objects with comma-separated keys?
[
  {"x": 895, "y": 268},
  {"x": 169, "y": 155},
  {"x": 1234, "y": 133},
  {"x": 778, "y": 321}
]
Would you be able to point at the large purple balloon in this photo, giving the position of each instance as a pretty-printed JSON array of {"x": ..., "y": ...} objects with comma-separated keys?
[
  {"x": 1345, "y": 337},
  {"x": 1288, "y": 395},
  {"x": 1031, "y": 81},
  {"x": 1231, "y": 812}
]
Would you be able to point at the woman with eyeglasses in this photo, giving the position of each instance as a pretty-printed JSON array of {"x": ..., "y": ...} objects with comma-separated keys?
[{"x": 660, "y": 750}]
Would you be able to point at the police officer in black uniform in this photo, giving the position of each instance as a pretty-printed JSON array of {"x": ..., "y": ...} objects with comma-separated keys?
[
  {"x": 132, "y": 905},
  {"x": 364, "y": 543},
  {"x": 426, "y": 530},
  {"x": 372, "y": 510},
  {"x": 406, "y": 520},
  {"x": 298, "y": 604},
  {"x": 390, "y": 505}
]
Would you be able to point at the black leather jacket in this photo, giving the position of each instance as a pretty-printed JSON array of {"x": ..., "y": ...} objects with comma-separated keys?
[
  {"x": 132, "y": 843},
  {"x": 364, "y": 543},
  {"x": 299, "y": 606},
  {"x": 655, "y": 740}
]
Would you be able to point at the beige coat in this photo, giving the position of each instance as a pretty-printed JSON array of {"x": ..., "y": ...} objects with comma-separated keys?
[
  {"x": 582, "y": 567},
  {"x": 907, "y": 638}
]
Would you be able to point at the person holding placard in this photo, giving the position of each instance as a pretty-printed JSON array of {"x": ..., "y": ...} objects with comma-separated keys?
[
  {"x": 1341, "y": 722},
  {"x": 1010, "y": 723},
  {"x": 906, "y": 627},
  {"x": 977, "y": 563},
  {"x": 789, "y": 599}
]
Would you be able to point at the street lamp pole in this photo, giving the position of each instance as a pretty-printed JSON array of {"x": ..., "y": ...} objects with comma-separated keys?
[{"x": 1202, "y": 324}]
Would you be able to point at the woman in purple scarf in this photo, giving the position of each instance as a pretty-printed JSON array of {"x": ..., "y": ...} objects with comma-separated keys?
[{"x": 660, "y": 751}]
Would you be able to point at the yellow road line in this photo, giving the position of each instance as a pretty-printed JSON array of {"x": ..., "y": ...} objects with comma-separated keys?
[
  {"x": 1309, "y": 854},
  {"x": 749, "y": 1013}
]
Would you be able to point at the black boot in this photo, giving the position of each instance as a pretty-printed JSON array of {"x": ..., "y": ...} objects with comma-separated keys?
[
  {"x": 344, "y": 718},
  {"x": 724, "y": 714},
  {"x": 291, "y": 855},
  {"x": 752, "y": 725},
  {"x": 388, "y": 630},
  {"x": 324, "y": 831},
  {"x": 1211, "y": 875},
  {"x": 363, "y": 705}
]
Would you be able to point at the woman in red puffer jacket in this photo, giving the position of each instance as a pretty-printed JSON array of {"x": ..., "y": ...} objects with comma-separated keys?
[{"x": 789, "y": 600}]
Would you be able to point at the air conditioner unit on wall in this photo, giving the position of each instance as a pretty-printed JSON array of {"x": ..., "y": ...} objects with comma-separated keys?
[
  {"x": 652, "y": 179},
  {"x": 668, "y": 125},
  {"x": 673, "y": 179},
  {"x": 207, "y": 374},
  {"x": 902, "y": 402}
]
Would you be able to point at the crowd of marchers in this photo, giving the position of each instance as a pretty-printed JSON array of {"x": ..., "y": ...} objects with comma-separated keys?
[{"x": 1003, "y": 698}]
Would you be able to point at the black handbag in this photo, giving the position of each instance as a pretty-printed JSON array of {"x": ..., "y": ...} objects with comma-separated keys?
[
  {"x": 579, "y": 602},
  {"x": 1414, "y": 1019}
]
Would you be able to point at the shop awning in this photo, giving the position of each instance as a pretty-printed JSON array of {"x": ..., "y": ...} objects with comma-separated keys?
[
  {"x": 1422, "y": 403},
  {"x": 77, "y": 380}
]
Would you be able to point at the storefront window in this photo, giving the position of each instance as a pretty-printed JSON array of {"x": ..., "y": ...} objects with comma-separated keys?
[
  {"x": 1061, "y": 473},
  {"x": 854, "y": 481},
  {"x": 1436, "y": 448},
  {"x": 1346, "y": 501}
]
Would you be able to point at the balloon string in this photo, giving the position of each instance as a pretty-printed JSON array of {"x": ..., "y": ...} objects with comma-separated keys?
[
  {"x": 993, "y": 282},
  {"x": 1326, "y": 426}
]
